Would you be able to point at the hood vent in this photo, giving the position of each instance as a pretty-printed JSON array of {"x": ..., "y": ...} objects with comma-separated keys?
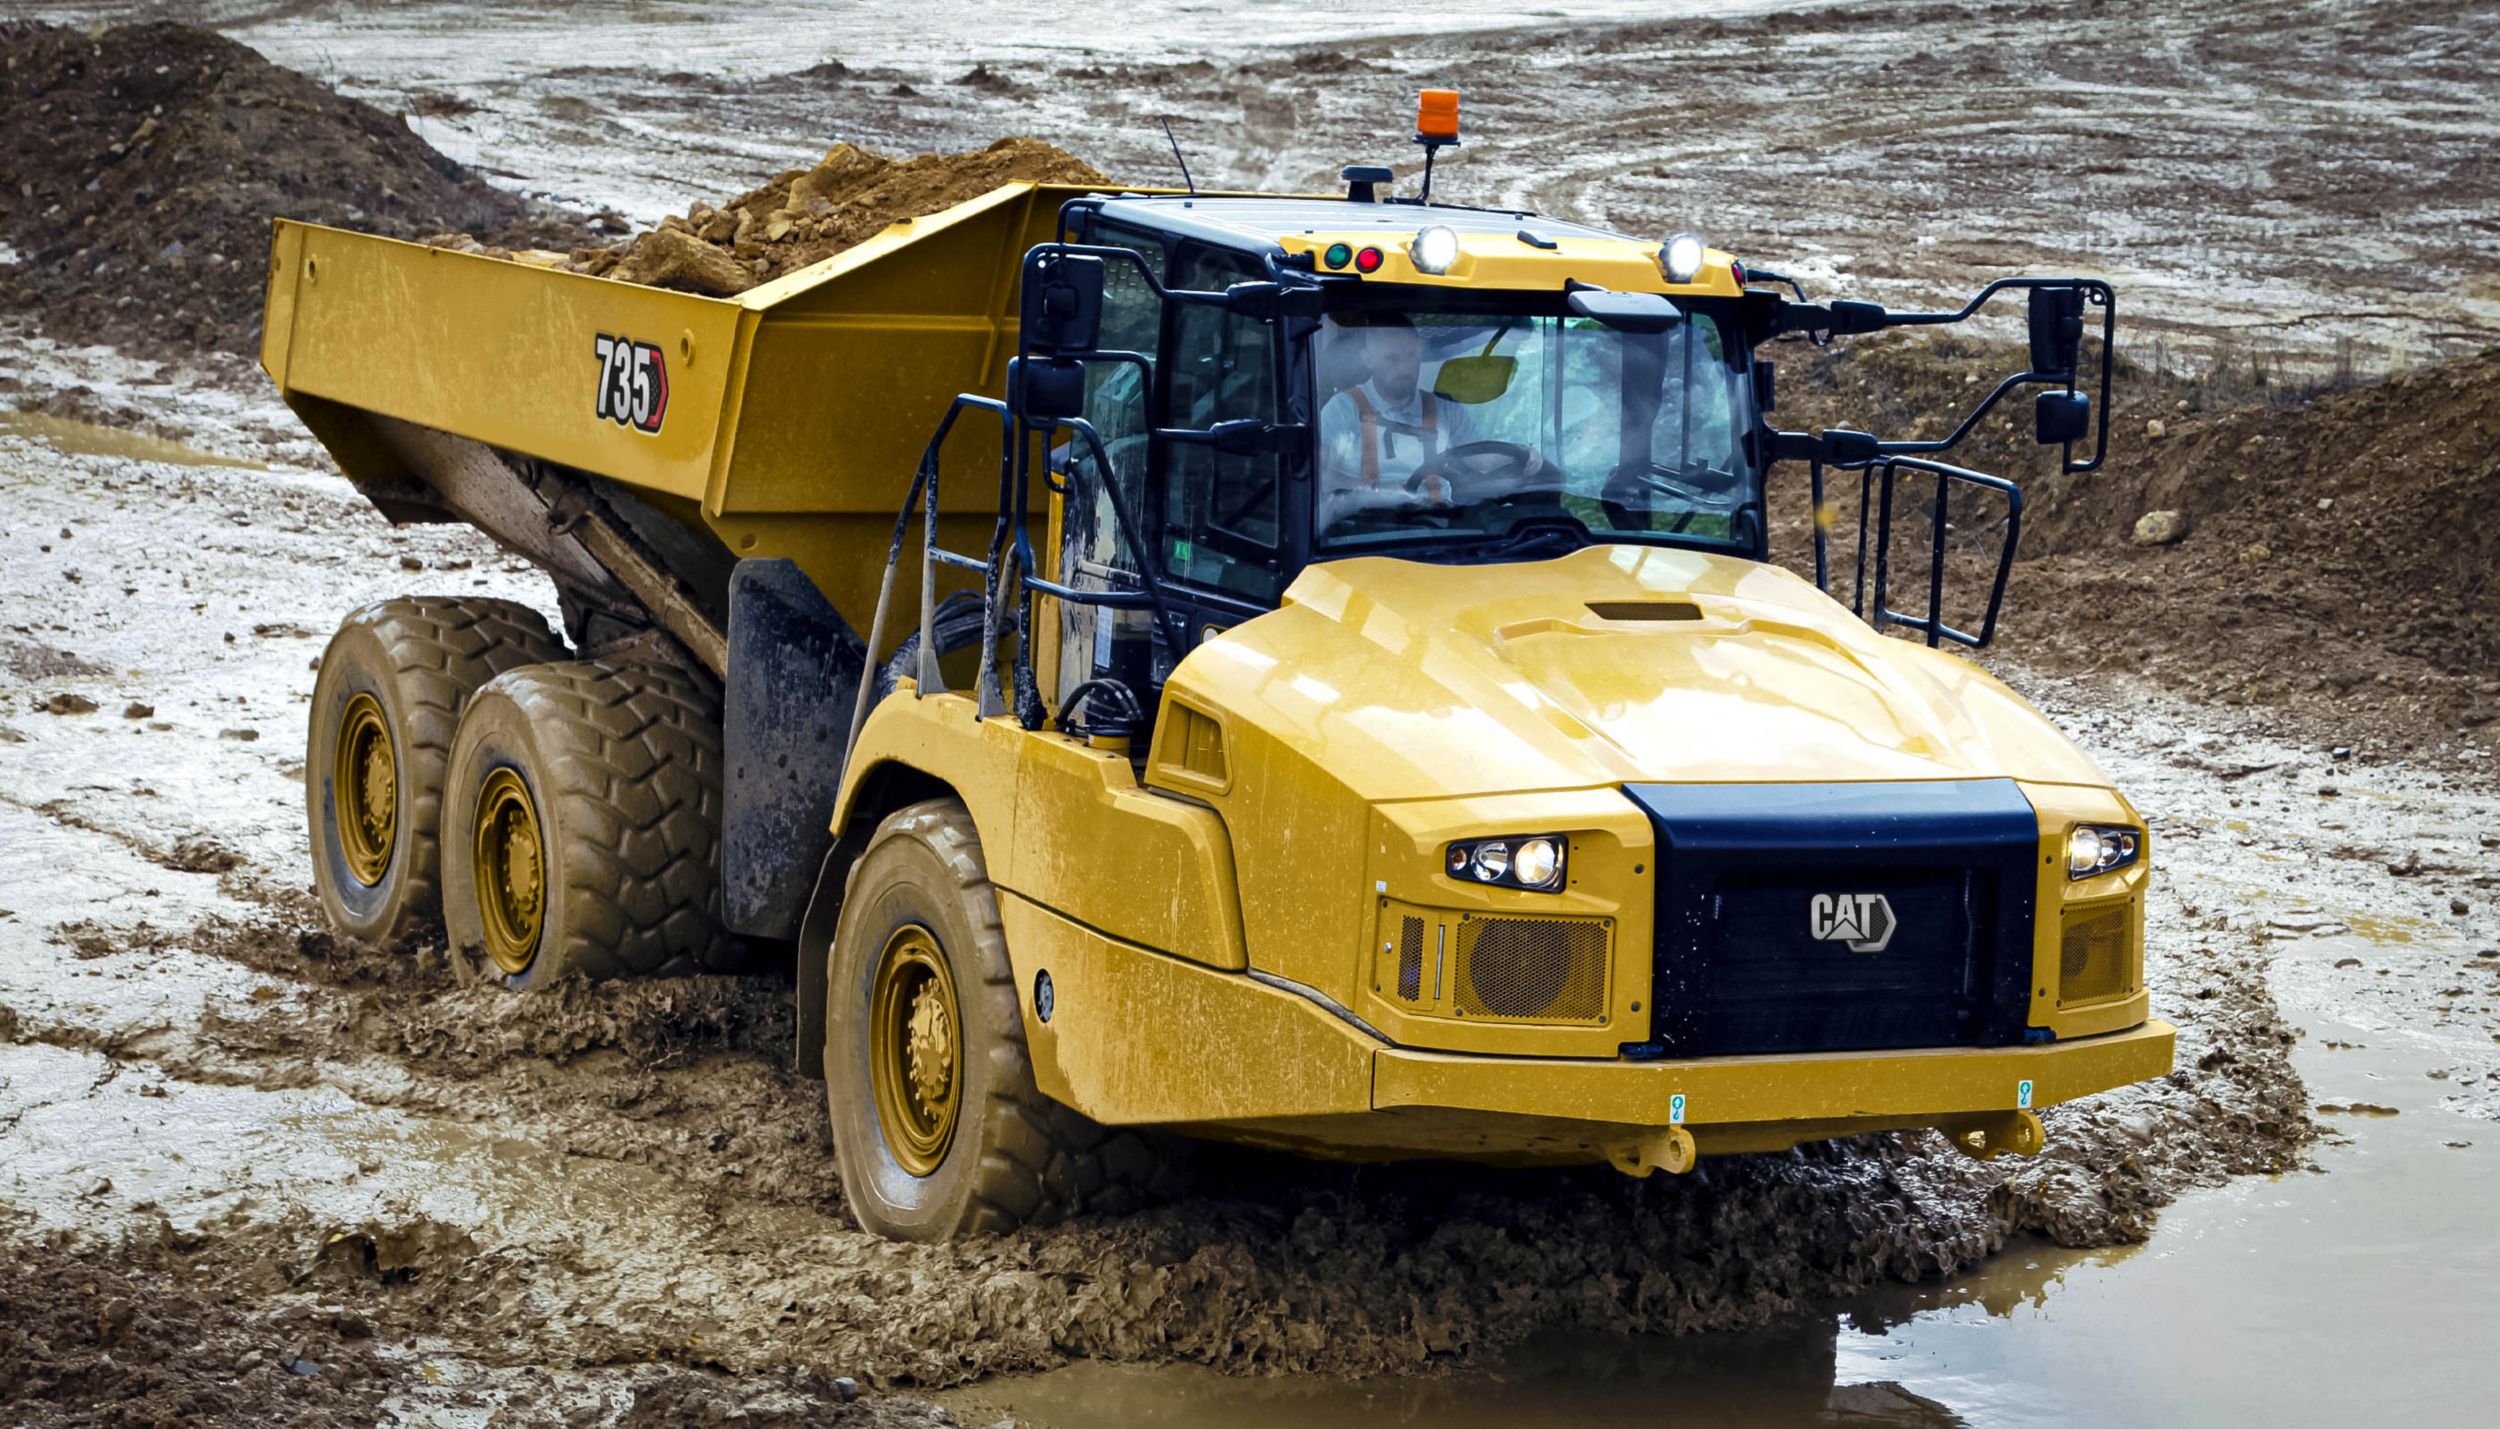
[{"x": 1644, "y": 610}]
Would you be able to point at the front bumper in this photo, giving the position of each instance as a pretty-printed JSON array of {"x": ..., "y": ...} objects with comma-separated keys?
[{"x": 1730, "y": 1104}]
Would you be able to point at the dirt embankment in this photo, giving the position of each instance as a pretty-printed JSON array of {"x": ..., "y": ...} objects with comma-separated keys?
[
  {"x": 2328, "y": 555},
  {"x": 146, "y": 162}
]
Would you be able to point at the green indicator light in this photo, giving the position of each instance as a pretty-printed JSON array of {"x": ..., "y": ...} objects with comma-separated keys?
[{"x": 1338, "y": 255}]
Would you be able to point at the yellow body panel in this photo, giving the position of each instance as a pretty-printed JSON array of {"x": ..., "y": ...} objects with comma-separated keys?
[{"x": 1049, "y": 807}]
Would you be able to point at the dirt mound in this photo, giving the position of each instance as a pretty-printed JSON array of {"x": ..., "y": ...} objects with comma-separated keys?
[
  {"x": 147, "y": 161},
  {"x": 2330, "y": 554},
  {"x": 805, "y": 216}
]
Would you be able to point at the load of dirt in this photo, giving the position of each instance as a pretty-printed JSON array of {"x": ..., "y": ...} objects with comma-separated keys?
[
  {"x": 2323, "y": 553},
  {"x": 146, "y": 164},
  {"x": 805, "y": 216}
]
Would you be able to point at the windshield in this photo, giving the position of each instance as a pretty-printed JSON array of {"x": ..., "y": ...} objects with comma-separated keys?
[{"x": 1445, "y": 427}]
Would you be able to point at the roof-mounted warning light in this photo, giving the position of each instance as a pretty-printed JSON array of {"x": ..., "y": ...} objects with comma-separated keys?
[
  {"x": 1436, "y": 126},
  {"x": 1436, "y": 116}
]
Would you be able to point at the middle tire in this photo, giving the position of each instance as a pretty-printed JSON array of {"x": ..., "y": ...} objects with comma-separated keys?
[{"x": 581, "y": 825}]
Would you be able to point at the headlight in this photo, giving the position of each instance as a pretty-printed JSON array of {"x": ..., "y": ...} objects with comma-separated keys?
[
  {"x": 2099, "y": 848},
  {"x": 1681, "y": 258},
  {"x": 1434, "y": 249},
  {"x": 1534, "y": 862}
]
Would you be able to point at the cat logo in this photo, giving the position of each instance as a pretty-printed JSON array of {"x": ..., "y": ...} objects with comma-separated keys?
[{"x": 1863, "y": 922}]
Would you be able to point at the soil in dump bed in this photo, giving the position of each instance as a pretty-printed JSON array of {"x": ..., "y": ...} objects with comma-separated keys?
[
  {"x": 805, "y": 216},
  {"x": 2340, "y": 562},
  {"x": 146, "y": 161}
]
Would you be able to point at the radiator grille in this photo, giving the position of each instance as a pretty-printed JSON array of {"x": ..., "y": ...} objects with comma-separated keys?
[
  {"x": 1411, "y": 960},
  {"x": 1539, "y": 969},
  {"x": 2093, "y": 962}
]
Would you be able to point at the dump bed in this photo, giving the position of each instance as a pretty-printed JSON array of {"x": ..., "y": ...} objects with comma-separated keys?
[{"x": 786, "y": 421}]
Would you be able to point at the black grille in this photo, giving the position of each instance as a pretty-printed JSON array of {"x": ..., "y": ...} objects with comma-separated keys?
[
  {"x": 1746, "y": 962},
  {"x": 1539, "y": 969}
]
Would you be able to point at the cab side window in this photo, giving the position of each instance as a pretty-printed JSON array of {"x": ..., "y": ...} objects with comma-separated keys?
[
  {"x": 1118, "y": 402},
  {"x": 1221, "y": 513},
  {"x": 1116, "y": 393}
]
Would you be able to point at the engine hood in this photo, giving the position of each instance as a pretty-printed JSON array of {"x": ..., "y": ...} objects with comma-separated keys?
[{"x": 1612, "y": 665}]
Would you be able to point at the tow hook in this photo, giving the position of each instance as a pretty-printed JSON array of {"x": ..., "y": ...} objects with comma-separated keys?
[
  {"x": 1989, "y": 1137},
  {"x": 1666, "y": 1148}
]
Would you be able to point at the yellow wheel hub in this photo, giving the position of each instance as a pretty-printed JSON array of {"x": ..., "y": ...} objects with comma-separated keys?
[
  {"x": 915, "y": 1050},
  {"x": 509, "y": 865},
  {"x": 364, "y": 789}
]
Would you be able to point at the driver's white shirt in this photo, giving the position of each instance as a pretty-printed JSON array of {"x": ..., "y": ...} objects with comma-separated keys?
[{"x": 1402, "y": 442}]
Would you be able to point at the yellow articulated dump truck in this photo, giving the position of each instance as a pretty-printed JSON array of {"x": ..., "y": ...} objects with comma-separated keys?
[{"x": 1304, "y": 671}]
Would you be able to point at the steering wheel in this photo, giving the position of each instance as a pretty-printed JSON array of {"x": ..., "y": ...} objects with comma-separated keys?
[
  {"x": 1473, "y": 460},
  {"x": 1655, "y": 481}
]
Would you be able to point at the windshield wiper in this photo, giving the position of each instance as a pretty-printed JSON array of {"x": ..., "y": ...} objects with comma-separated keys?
[{"x": 1564, "y": 532}]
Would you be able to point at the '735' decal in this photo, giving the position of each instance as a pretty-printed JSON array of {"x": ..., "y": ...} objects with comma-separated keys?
[{"x": 633, "y": 384}]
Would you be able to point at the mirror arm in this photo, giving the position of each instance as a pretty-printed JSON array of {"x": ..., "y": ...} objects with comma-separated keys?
[{"x": 1833, "y": 446}]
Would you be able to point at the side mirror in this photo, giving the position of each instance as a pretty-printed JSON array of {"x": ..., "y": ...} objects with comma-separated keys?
[
  {"x": 1062, "y": 307},
  {"x": 1047, "y": 389},
  {"x": 2061, "y": 417},
  {"x": 2056, "y": 331}
]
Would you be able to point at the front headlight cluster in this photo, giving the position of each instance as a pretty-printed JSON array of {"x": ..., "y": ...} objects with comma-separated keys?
[
  {"x": 2093, "y": 849},
  {"x": 1533, "y": 861}
]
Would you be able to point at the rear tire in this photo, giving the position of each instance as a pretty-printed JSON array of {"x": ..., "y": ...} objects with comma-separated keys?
[
  {"x": 920, "y": 895},
  {"x": 581, "y": 825},
  {"x": 394, "y": 681}
]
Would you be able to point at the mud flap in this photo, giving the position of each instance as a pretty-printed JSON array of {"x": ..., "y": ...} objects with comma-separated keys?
[{"x": 794, "y": 672}]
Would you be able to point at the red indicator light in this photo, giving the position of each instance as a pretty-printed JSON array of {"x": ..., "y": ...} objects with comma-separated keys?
[
  {"x": 1367, "y": 261},
  {"x": 1737, "y": 271}
]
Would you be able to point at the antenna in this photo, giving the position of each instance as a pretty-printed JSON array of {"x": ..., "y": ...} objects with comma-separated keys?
[{"x": 1186, "y": 180}]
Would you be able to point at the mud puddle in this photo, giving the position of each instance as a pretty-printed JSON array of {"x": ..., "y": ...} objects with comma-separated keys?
[{"x": 75, "y": 438}]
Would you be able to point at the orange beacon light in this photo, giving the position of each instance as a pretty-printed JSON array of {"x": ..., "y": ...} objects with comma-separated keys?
[{"x": 1436, "y": 116}]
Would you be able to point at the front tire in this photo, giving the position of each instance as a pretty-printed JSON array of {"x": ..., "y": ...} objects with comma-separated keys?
[
  {"x": 938, "y": 1127},
  {"x": 581, "y": 825},
  {"x": 393, "y": 683}
]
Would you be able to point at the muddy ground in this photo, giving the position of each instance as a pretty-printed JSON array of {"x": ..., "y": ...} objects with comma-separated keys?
[{"x": 247, "y": 1173}]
